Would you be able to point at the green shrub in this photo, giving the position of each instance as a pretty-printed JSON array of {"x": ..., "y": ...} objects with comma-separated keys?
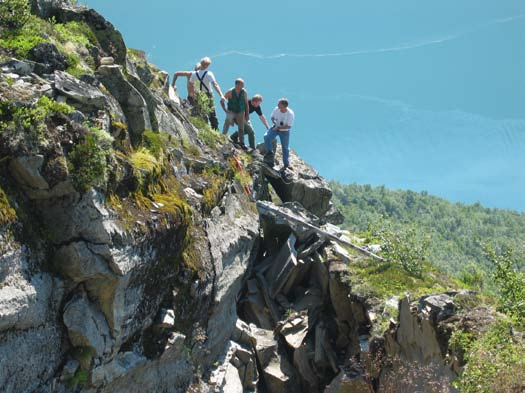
[
  {"x": 473, "y": 276},
  {"x": 20, "y": 41},
  {"x": 190, "y": 148},
  {"x": 155, "y": 142},
  {"x": 203, "y": 105},
  {"x": 495, "y": 362},
  {"x": 206, "y": 134},
  {"x": 510, "y": 283},
  {"x": 76, "y": 32},
  {"x": 30, "y": 120},
  {"x": 460, "y": 343},
  {"x": 404, "y": 246},
  {"x": 370, "y": 277},
  {"x": 68, "y": 38},
  {"x": 14, "y": 13},
  {"x": 87, "y": 162}
]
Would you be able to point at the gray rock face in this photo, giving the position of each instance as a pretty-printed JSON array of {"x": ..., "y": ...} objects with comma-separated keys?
[
  {"x": 277, "y": 372},
  {"x": 350, "y": 312},
  {"x": 30, "y": 357},
  {"x": 238, "y": 371},
  {"x": 86, "y": 326},
  {"x": 416, "y": 335},
  {"x": 416, "y": 346},
  {"x": 25, "y": 300},
  {"x": 123, "y": 364},
  {"x": 31, "y": 344},
  {"x": 20, "y": 67},
  {"x": 161, "y": 118},
  {"x": 81, "y": 94},
  {"x": 133, "y": 104},
  {"x": 231, "y": 236},
  {"x": 45, "y": 7},
  {"x": 132, "y": 373},
  {"x": 24, "y": 304},
  {"x": 303, "y": 185},
  {"x": 79, "y": 263},
  {"x": 85, "y": 219},
  {"x": 26, "y": 170}
]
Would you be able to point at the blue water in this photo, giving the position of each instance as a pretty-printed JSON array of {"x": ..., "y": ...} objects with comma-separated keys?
[
  {"x": 412, "y": 95},
  {"x": 456, "y": 155}
]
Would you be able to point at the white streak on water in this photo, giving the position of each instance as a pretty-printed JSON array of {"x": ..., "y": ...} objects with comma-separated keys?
[{"x": 397, "y": 48}]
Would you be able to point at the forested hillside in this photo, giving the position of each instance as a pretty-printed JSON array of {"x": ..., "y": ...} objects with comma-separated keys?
[{"x": 456, "y": 233}]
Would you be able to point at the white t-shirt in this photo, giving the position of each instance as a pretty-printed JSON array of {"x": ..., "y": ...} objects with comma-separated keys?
[
  {"x": 208, "y": 80},
  {"x": 286, "y": 118}
]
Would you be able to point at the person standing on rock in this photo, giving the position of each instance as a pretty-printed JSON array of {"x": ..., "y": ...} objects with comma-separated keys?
[
  {"x": 237, "y": 109},
  {"x": 204, "y": 80},
  {"x": 254, "y": 105},
  {"x": 282, "y": 119}
]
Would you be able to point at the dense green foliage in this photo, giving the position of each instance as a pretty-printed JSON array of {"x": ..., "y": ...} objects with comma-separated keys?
[
  {"x": 87, "y": 162},
  {"x": 203, "y": 105},
  {"x": 456, "y": 231},
  {"x": 27, "y": 124},
  {"x": 209, "y": 136},
  {"x": 14, "y": 13},
  {"x": 403, "y": 246},
  {"x": 72, "y": 39},
  {"x": 510, "y": 284},
  {"x": 495, "y": 361}
]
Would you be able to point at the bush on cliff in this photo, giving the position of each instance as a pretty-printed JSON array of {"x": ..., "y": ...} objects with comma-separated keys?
[
  {"x": 72, "y": 39},
  {"x": 87, "y": 162},
  {"x": 14, "y": 13},
  {"x": 24, "y": 126},
  {"x": 495, "y": 362}
]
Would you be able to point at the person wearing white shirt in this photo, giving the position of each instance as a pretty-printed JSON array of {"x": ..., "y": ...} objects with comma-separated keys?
[
  {"x": 203, "y": 79},
  {"x": 282, "y": 119}
]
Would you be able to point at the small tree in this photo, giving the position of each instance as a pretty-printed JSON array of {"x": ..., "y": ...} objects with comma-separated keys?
[
  {"x": 14, "y": 13},
  {"x": 510, "y": 283},
  {"x": 403, "y": 246}
]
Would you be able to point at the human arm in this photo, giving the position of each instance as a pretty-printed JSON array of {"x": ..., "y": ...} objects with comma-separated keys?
[
  {"x": 218, "y": 89},
  {"x": 228, "y": 95},
  {"x": 264, "y": 121},
  {"x": 187, "y": 74}
]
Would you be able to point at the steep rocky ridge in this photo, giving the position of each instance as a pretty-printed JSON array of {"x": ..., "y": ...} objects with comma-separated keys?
[{"x": 142, "y": 254}]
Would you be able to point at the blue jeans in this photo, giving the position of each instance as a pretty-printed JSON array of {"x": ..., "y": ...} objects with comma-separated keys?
[{"x": 284, "y": 136}]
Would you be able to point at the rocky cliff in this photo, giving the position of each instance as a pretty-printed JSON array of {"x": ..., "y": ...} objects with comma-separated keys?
[{"x": 140, "y": 253}]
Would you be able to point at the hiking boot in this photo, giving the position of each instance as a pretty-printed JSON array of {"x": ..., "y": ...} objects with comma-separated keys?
[{"x": 235, "y": 141}]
